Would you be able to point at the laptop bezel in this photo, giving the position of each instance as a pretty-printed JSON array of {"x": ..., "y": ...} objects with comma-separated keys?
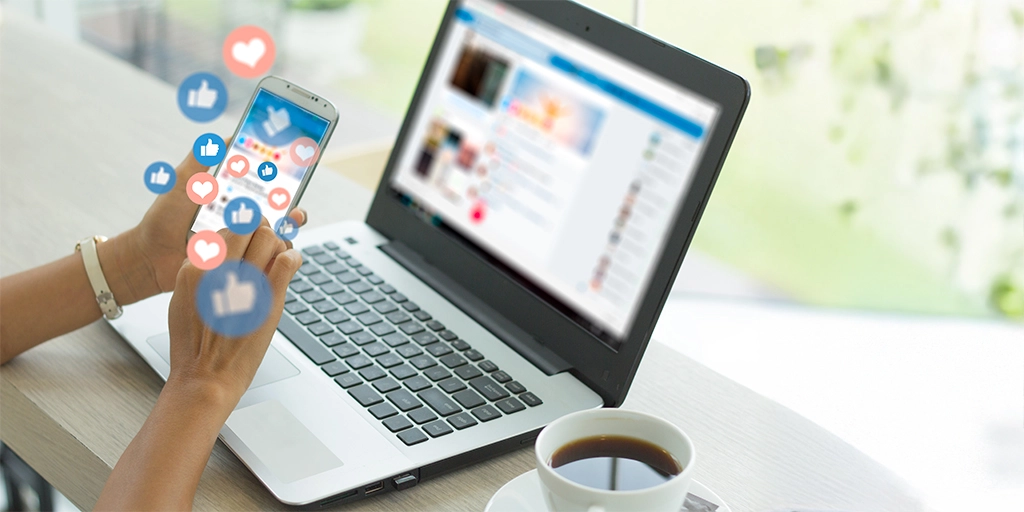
[{"x": 607, "y": 371}]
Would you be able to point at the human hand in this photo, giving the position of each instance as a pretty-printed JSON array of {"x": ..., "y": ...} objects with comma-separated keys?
[
  {"x": 145, "y": 260},
  {"x": 212, "y": 361}
]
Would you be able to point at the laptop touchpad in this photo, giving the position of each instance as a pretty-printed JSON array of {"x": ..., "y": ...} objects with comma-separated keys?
[
  {"x": 281, "y": 441},
  {"x": 274, "y": 367}
]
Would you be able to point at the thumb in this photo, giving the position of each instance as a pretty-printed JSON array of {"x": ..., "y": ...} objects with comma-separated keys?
[
  {"x": 203, "y": 86},
  {"x": 209, "y": 142},
  {"x": 232, "y": 280},
  {"x": 283, "y": 268}
]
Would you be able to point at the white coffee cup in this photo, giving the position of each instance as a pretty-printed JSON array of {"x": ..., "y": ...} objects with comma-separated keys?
[{"x": 564, "y": 495}]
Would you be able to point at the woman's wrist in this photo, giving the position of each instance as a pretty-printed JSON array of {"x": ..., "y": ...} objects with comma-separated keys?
[
  {"x": 214, "y": 398},
  {"x": 127, "y": 269}
]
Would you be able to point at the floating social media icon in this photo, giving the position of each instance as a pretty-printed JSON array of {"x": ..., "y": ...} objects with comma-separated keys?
[
  {"x": 159, "y": 177},
  {"x": 304, "y": 151},
  {"x": 209, "y": 149},
  {"x": 201, "y": 188},
  {"x": 286, "y": 228},
  {"x": 234, "y": 298},
  {"x": 267, "y": 171},
  {"x": 277, "y": 121},
  {"x": 237, "y": 166},
  {"x": 202, "y": 97},
  {"x": 242, "y": 215},
  {"x": 249, "y": 51},
  {"x": 206, "y": 250},
  {"x": 279, "y": 198}
]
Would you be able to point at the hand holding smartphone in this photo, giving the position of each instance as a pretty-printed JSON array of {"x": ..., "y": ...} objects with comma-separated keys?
[{"x": 273, "y": 152}]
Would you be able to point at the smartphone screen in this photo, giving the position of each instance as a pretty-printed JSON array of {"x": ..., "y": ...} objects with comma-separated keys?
[{"x": 268, "y": 130}]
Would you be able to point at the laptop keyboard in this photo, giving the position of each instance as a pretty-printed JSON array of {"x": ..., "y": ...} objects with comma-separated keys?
[{"x": 404, "y": 366}]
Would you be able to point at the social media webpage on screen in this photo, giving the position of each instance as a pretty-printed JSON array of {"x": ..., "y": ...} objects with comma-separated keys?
[
  {"x": 271, "y": 125},
  {"x": 561, "y": 161}
]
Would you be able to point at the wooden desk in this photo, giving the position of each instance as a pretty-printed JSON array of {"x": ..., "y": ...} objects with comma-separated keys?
[{"x": 79, "y": 127}]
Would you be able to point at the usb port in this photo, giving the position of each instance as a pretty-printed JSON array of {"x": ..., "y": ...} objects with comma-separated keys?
[{"x": 372, "y": 488}]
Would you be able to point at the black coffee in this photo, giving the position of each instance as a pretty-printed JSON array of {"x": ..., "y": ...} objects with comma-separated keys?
[{"x": 615, "y": 463}]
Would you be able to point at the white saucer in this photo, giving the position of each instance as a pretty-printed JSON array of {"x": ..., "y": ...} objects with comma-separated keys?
[{"x": 523, "y": 493}]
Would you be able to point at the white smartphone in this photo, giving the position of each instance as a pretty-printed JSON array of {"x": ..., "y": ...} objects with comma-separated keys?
[{"x": 279, "y": 118}]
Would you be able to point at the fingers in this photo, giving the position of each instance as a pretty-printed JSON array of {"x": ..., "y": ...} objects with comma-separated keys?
[
  {"x": 264, "y": 246},
  {"x": 190, "y": 166},
  {"x": 237, "y": 244},
  {"x": 299, "y": 216},
  {"x": 283, "y": 269}
]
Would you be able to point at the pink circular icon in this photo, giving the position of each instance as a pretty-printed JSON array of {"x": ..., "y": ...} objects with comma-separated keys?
[
  {"x": 201, "y": 188},
  {"x": 279, "y": 198},
  {"x": 249, "y": 51},
  {"x": 304, "y": 151},
  {"x": 206, "y": 250},
  {"x": 237, "y": 166}
]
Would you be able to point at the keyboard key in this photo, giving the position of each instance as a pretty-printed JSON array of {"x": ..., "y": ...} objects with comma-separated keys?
[
  {"x": 437, "y": 373},
  {"x": 347, "y": 277},
  {"x": 398, "y": 297},
  {"x": 349, "y": 327},
  {"x": 530, "y": 399},
  {"x": 501, "y": 377},
  {"x": 468, "y": 372},
  {"x": 362, "y": 338},
  {"x": 363, "y": 271},
  {"x": 437, "y": 428},
  {"x": 307, "y": 318},
  {"x": 439, "y": 349},
  {"x": 336, "y": 317},
  {"x": 344, "y": 298},
  {"x": 397, "y": 423},
  {"x": 346, "y": 350},
  {"x": 387, "y": 288},
  {"x": 336, "y": 268},
  {"x": 421, "y": 315},
  {"x": 296, "y": 278},
  {"x": 289, "y": 298},
  {"x": 403, "y": 400},
  {"x": 334, "y": 369},
  {"x": 462, "y": 420},
  {"x": 382, "y": 329},
  {"x": 320, "y": 328},
  {"x": 358, "y": 362},
  {"x": 439, "y": 402},
  {"x": 395, "y": 340},
  {"x": 332, "y": 339},
  {"x": 332, "y": 288},
  {"x": 389, "y": 360},
  {"x": 371, "y": 373},
  {"x": 359, "y": 287},
  {"x": 486, "y": 413},
  {"x": 515, "y": 387},
  {"x": 356, "y": 308},
  {"x": 488, "y": 366},
  {"x": 453, "y": 360},
  {"x": 488, "y": 388},
  {"x": 398, "y": 317},
  {"x": 303, "y": 341},
  {"x": 332, "y": 246},
  {"x": 386, "y": 385},
  {"x": 369, "y": 318},
  {"x": 510, "y": 405},
  {"x": 412, "y": 437},
  {"x": 312, "y": 296},
  {"x": 461, "y": 345},
  {"x": 422, "y": 415},
  {"x": 424, "y": 339},
  {"x": 473, "y": 355},
  {"x": 375, "y": 349},
  {"x": 308, "y": 268},
  {"x": 410, "y": 306},
  {"x": 372, "y": 297},
  {"x": 434, "y": 325},
  {"x": 469, "y": 399},
  {"x": 422, "y": 362},
  {"x": 352, "y": 262},
  {"x": 320, "y": 278},
  {"x": 411, "y": 328},
  {"x": 452, "y": 385},
  {"x": 403, "y": 371},
  {"x": 313, "y": 250},
  {"x": 300, "y": 287},
  {"x": 296, "y": 308},
  {"x": 324, "y": 258},
  {"x": 348, "y": 380},
  {"x": 385, "y": 307},
  {"x": 325, "y": 306},
  {"x": 374, "y": 280},
  {"x": 447, "y": 335},
  {"x": 381, "y": 411},
  {"x": 417, "y": 383},
  {"x": 408, "y": 351}
]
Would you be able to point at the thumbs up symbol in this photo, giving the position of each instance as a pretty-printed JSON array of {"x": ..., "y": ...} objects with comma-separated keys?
[
  {"x": 203, "y": 97},
  {"x": 242, "y": 215},
  {"x": 209, "y": 149},
  {"x": 236, "y": 298},
  {"x": 266, "y": 170},
  {"x": 160, "y": 177}
]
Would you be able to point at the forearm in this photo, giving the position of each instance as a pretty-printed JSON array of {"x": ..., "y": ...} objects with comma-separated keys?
[
  {"x": 160, "y": 469},
  {"x": 45, "y": 302}
]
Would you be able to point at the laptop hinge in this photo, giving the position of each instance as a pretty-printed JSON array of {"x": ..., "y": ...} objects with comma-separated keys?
[{"x": 513, "y": 336}]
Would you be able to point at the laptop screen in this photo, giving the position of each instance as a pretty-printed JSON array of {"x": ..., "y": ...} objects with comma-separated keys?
[{"x": 563, "y": 164}]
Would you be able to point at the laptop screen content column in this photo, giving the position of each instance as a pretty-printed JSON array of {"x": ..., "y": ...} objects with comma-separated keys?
[{"x": 564, "y": 163}]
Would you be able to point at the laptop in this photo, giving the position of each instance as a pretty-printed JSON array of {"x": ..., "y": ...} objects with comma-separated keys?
[{"x": 528, "y": 227}]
